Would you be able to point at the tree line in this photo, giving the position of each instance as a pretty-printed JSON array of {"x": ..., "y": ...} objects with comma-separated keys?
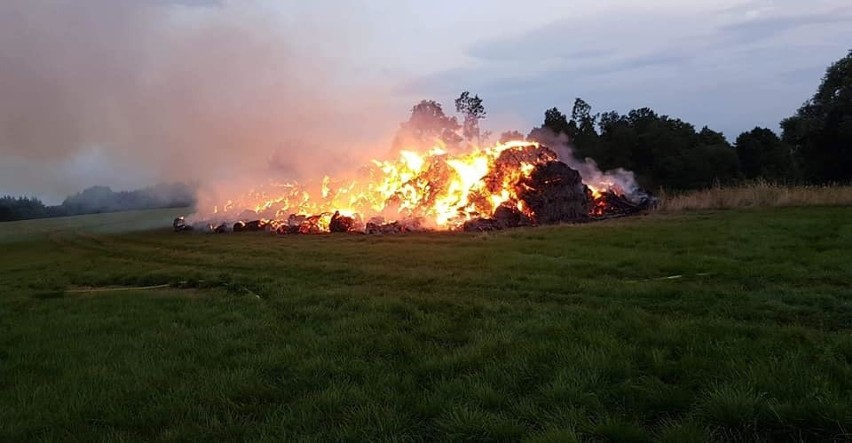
[
  {"x": 98, "y": 199},
  {"x": 815, "y": 145}
]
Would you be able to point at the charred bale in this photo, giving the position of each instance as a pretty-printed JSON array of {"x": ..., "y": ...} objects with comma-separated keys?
[
  {"x": 509, "y": 216},
  {"x": 255, "y": 225},
  {"x": 250, "y": 226},
  {"x": 376, "y": 225},
  {"x": 386, "y": 228},
  {"x": 555, "y": 193},
  {"x": 286, "y": 229},
  {"x": 505, "y": 216},
  {"x": 341, "y": 223},
  {"x": 482, "y": 225}
]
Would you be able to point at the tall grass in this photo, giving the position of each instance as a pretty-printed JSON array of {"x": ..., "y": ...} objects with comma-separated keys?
[{"x": 758, "y": 194}]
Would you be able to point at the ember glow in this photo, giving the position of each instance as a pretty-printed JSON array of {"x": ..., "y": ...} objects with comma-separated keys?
[{"x": 429, "y": 190}]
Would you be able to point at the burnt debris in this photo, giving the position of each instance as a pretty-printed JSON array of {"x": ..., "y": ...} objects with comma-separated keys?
[
  {"x": 612, "y": 205},
  {"x": 179, "y": 225},
  {"x": 377, "y": 225},
  {"x": 251, "y": 226}
]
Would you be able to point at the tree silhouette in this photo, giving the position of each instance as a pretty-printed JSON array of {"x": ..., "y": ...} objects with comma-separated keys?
[
  {"x": 763, "y": 155},
  {"x": 426, "y": 126},
  {"x": 556, "y": 121},
  {"x": 821, "y": 130},
  {"x": 473, "y": 111},
  {"x": 582, "y": 131},
  {"x": 510, "y": 136}
]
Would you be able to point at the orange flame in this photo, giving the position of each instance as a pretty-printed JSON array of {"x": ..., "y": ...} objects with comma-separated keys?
[{"x": 441, "y": 189}]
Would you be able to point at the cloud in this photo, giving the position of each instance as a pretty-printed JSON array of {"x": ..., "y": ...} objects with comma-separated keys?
[
  {"x": 729, "y": 66},
  {"x": 766, "y": 27},
  {"x": 552, "y": 41},
  {"x": 664, "y": 58}
]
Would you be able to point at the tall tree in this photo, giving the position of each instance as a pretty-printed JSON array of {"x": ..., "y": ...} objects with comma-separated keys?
[
  {"x": 821, "y": 130},
  {"x": 763, "y": 155},
  {"x": 426, "y": 126},
  {"x": 617, "y": 142},
  {"x": 581, "y": 113},
  {"x": 582, "y": 131},
  {"x": 556, "y": 121},
  {"x": 473, "y": 111}
]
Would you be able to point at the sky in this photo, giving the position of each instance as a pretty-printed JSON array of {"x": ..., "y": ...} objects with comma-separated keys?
[{"x": 128, "y": 93}]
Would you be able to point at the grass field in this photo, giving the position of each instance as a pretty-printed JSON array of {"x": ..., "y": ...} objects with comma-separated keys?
[{"x": 728, "y": 325}]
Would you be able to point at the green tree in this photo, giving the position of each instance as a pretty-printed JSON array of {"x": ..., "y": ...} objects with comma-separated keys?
[
  {"x": 821, "y": 130},
  {"x": 763, "y": 155},
  {"x": 664, "y": 151}
]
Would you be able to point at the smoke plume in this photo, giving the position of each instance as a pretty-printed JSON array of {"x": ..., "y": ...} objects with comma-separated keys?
[
  {"x": 618, "y": 179},
  {"x": 127, "y": 93}
]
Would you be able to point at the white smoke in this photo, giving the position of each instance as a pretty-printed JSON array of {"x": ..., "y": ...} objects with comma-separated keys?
[{"x": 619, "y": 180}]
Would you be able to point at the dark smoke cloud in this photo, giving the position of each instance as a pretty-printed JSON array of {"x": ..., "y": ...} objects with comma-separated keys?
[{"x": 127, "y": 93}]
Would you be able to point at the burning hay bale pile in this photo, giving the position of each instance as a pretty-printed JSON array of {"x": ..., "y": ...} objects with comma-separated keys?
[
  {"x": 552, "y": 193},
  {"x": 512, "y": 185}
]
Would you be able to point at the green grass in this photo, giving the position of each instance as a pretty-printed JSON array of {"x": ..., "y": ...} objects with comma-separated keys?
[{"x": 566, "y": 333}]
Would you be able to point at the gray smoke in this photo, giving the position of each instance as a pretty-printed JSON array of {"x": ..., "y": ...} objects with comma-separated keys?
[{"x": 126, "y": 93}]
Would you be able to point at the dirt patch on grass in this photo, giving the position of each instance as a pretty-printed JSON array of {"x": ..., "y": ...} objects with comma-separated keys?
[{"x": 150, "y": 291}]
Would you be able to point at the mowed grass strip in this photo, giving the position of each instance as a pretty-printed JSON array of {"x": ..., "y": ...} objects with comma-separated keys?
[{"x": 730, "y": 325}]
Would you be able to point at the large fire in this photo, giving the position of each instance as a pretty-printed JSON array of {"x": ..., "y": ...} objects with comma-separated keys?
[{"x": 430, "y": 190}]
